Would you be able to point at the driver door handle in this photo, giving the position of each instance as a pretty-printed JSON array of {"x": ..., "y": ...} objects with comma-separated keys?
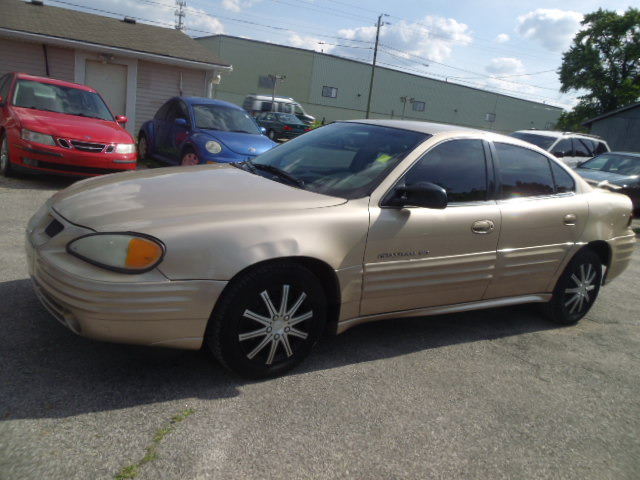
[{"x": 482, "y": 227}]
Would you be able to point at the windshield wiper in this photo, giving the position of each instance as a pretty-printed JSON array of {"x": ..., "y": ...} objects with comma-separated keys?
[
  {"x": 249, "y": 166},
  {"x": 277, "y": 172},
  {"x": 240, "y": 131}
]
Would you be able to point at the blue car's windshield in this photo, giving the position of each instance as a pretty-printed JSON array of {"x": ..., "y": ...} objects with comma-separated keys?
[
  {"x": 345, "y": 160},
  {"x": 60, "y": 99},
  {"x": 227, "y": 119}
]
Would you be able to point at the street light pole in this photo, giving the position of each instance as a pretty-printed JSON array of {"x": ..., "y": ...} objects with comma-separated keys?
[
  {"x": 275, "y": 79},
  {"x": 373, "y": 65}
]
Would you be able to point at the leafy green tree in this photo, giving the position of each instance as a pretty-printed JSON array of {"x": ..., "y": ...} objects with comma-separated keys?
[{"x": 604, "y": 61}]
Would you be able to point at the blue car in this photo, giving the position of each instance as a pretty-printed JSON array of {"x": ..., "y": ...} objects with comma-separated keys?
[{"x": 194, "y": 130}]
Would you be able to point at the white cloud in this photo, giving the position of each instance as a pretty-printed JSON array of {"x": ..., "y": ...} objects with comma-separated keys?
[
  {"x": 431, "y": 38},
  {"x": 310, "y": 43},
  {"x": 553, "y": 28},
  {"x": 201, "y": 24},
  {"x": 502, "y": 38},
  {"x": 505, "y": 66},
  {"x": 236, "y": 5}
]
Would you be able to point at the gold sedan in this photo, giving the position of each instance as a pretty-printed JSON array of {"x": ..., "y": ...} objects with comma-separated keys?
[{"x": 353, "y": 222}]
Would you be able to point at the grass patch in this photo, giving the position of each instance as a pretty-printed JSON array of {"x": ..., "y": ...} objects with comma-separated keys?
[{"x": 151, "y": 452}]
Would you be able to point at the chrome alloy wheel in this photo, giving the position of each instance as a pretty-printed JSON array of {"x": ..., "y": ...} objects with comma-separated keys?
[
  {"x": 582, "y": 282},
  {"x": 280, "y": 332}
]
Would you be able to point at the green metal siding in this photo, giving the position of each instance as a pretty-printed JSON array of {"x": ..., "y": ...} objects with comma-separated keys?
[{"x": 308, "y": 72}]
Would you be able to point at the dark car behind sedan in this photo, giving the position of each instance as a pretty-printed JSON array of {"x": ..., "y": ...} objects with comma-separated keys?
[
  {"x": 617, "y": 171},
  {"x": 281, "y": 125}
]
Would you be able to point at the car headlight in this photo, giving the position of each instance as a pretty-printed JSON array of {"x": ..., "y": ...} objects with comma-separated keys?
[
  {"x": 121, "y": 252},
  {"x": 126, "y": 148},
  {"x": 37, "y": 137},
  {"x": 213, "y": 146}
]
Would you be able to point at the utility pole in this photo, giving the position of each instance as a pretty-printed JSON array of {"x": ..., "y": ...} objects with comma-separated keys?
[
  {"x": 373, "y": 65},
  {"x": 275, "y": 79},
  {"x": 179, "y": 13}
]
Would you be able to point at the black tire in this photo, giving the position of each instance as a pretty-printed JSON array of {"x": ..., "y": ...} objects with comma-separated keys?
[
  {"x": 143, "y": 147},
  {"x": 272, "y": 135},
  {"x": 189, "y": 156},
  {"x": 280, "y": 309},
  {"x": 5, "y": 157},
  {"x": 577, "y": 288}
]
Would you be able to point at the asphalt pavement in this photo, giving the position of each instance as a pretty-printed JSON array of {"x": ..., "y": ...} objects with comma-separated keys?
[{"x": 494, "y": 394}]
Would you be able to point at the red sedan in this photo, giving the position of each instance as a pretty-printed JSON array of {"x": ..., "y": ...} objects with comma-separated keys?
[{"x": 51, "y": 126}]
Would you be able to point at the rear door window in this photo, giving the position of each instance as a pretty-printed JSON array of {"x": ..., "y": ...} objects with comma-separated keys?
[
  {"x": 523, "y": 172},
  {"x": 581, "y": 149}
]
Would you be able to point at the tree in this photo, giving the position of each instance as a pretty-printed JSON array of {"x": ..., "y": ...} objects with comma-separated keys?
[{"x": 604, "y": 60}]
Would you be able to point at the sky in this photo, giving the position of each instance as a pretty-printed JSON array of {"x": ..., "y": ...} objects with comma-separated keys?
[{"x": 511, "y": 47}]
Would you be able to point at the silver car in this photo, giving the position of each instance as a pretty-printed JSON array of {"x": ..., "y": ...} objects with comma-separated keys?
[{"x": 350, "y": 223}]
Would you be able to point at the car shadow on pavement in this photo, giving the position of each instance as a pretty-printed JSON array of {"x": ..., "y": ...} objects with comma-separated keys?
[
  {"x": 49, "y": 372},
  {"x": 37, "y": 182}
]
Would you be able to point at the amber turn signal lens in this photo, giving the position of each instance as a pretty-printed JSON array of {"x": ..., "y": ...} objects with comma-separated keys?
[{"x": 142, "y": 253}]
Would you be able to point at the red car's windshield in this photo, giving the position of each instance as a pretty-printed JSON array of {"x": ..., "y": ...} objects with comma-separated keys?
[{"x": 60, "y": 99}]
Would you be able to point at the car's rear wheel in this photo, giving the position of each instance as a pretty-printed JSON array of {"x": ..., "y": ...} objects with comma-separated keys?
[
  {"x": 189, "y": 157},
  {"x": 268, "y": 320},
  {"x": 143, "y": 147},
  {"x": 577, "y": 288},
  {"x": 5, "y": 162}
]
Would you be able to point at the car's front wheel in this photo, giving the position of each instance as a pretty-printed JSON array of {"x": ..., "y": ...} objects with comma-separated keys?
[
  {"x": 268, "y": 320},
  {"x": 5, "y": 162},
  {"x": 143, "y": 147},
  {"x": 271, "y": 134},
  {"x": 189, "y": 158},
  {"x": 577, "y": 288}
]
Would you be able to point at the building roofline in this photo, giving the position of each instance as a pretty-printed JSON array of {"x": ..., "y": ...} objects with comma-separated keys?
[
  {"x": 587, "y": 123},
  {"x": 101, "y": 48},
  {"x": 377, "y": 66}
]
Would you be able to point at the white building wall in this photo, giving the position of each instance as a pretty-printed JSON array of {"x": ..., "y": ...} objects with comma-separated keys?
[{"x": 30, "y": 58}]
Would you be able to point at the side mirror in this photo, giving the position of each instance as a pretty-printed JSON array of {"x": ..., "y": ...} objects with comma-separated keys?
[
  {"x": 182, "y": 122},
  {"x": 119, "y": 118},
  {"x": 558, "y": 154},
  {"x": 421, "y": 194}
]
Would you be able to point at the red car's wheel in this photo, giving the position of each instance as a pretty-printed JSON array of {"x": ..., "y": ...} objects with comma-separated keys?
[{"x": 5, "y": 162}]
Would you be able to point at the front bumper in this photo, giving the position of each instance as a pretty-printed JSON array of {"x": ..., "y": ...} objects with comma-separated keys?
[
  {"x": 145, "y": 309},
  {"x": 55, "y": 159}
]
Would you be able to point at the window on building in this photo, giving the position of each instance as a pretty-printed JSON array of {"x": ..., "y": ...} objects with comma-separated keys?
[
  {"x": 418, "y": 106},
  {"x": 331, "y": 92}
]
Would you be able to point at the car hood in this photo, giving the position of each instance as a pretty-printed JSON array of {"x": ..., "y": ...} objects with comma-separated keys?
[
  {"x": 242, "y": 143},
  {"x": 179, "y": 195},
  {"x": 73, "y": 126},
  {"x": 597, "y": 176}
]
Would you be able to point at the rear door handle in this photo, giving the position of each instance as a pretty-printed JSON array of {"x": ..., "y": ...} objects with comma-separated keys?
[
  {"x": 482, "y": 227},
  {"x": 570, "y": 219}
]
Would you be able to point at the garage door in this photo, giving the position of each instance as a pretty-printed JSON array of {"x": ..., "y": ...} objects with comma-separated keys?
[{"x": 111, "y": 81}]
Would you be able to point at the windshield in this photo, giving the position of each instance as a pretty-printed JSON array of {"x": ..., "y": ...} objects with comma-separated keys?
[
  {"x": 60, "y": 99},
  {"x": 541, "y": 141},
  {"x": 618, "y": 164},
  {"x": 345, "y": 160},
  {"x": 288, "y": 118},
  {"x": 227, "y": 119}
]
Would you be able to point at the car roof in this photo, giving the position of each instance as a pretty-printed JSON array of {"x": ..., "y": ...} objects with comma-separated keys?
[
  {"x": 53, "y": 81},
  {"x": 208, "y": 101},
  {"x": 421, "y": 127},
  {"x": 557, "y": 134}
]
